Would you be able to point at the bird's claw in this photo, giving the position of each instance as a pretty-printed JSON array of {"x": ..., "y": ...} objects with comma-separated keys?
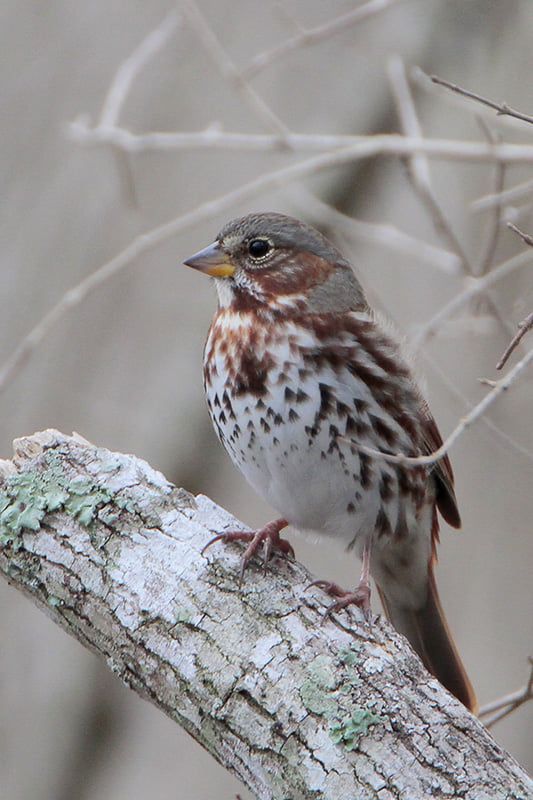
[
  {"x": 360, "y": 597},
  {"x": 267, "y": 537}
]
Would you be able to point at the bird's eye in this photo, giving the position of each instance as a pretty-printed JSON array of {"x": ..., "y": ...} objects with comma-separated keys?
[{"x": 259, "y": 248}]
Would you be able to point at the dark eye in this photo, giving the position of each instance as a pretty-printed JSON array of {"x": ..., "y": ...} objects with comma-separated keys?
[{"x": 259, "y": 248}]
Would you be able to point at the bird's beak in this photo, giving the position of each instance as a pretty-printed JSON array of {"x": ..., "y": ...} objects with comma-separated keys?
[{"x": 213, "y": 261}]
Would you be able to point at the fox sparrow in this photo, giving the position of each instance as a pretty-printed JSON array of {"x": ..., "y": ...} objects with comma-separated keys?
[{"x": 299, "y": 373}]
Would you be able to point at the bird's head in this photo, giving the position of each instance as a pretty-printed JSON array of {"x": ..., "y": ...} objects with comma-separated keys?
[{"x": 276, "y": 262}]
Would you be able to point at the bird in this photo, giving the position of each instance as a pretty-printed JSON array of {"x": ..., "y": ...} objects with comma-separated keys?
[{"x": 309, "y": 390}]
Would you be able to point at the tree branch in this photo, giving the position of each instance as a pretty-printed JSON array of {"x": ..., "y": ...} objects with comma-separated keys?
[
  {"x": 502, "y": 109},
  {"x": 386, "y": 144},
  {"x": 111, "y": 551},
  {"x": 311, "y": 36}
]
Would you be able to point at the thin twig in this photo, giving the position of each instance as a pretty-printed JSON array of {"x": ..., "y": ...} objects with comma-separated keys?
[
  {"x": 419, "y": 174},
  {"x": 228, "y": 69},
  {"x": 118, "y": 92},
  {"x": 474, "y": 287},
  {"x": 312, "y": 36},
  {"x": 526, "y": 237},
  {"x": 527, "y": 324},
  {"x": 392, "y": 144},
  {"x": 509, "y": 703},
  {"x": 432, "y": 365},
  {"x": 424, "y": 81},
  {"x": 387, "y": 236},
  {"x": 487, "y": 257},
  {"x": 130, "y": 68},
  {"x": 502, "y": 109},
  {"x": 504, "y": 197},
  {"x": 418, "y": 166},
  {"x": 523, "y": 327},
  {"x": 478, "y": 410}
]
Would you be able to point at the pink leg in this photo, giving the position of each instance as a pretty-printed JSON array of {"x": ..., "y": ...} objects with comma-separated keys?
[
  {"x": 360, "y": 597},
  {"x": 267, "y": 537}
]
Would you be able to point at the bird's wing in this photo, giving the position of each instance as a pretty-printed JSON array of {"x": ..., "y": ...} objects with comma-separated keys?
[{"x": 443, "y": 473}]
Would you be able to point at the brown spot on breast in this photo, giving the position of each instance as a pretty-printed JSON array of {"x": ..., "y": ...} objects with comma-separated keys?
[
  {"x": 252, "y": 374},
  {"x": 356, "y": 427},
  {"x": 342, "y": 409},
  {"x": 365, "y": 470},
  {"x": 360, "y": 405},
  {"x": 383, "y": 430},
  {"x": 383, "y": 526},
  {"x": 385, "y": 487}
]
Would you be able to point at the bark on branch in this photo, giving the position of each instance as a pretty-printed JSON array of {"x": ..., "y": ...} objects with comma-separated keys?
[{"x": 111, "y": 551}]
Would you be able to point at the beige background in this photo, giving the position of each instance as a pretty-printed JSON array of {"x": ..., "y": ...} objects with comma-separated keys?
[{"x": 124, "y": 369}]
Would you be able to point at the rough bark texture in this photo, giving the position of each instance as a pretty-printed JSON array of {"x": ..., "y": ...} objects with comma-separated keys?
[{"x": 296, "y": 709}]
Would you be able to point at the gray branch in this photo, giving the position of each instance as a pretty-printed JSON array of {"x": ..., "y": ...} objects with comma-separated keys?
[{"x": 297, "y": 710}]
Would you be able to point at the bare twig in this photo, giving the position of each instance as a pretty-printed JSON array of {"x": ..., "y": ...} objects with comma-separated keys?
[
  {"x": 509, "y": 703},
  {"x": 526, "y": 237},
  {"x": 523, "y": 327},
  {"x": 130, "y": 68},
  {"x": 474, "y": 287},
  {"x": 391, "y": 144},
  {"x": 527, "y": 324},
  {"x": 504, "y": 197},
  {"x": 487, "y": 257},
  {"x": 312, "y": 36},
  {"x": 387, "y": 236},
  {"x": 418, "y": 166},
  {"x": 478, "y": 411},
  {"x": 228, "y": 69},
  {"x": 118, "y": 92},
  {"x": 451, "y": 386},
  {"x": 424, "y": 81},
  {"x": 502, "y": 109},
  {"x": 418, "y": 171}
]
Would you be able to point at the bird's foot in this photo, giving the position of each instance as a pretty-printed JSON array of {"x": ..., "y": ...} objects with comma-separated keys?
[
  {"x": 267, "y": 538},
  {"x": 343, "y": 599}
]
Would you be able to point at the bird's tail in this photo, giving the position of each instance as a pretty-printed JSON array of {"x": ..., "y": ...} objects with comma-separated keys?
[{"x": 427, "y": 631}]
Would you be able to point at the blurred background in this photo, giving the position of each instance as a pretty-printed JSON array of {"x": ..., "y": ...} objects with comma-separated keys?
[{"x": 123, "y": 368}]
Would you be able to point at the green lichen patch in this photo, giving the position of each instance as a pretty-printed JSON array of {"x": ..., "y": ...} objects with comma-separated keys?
[
  {"x": 349, "y": 656},
  {"x": 25, "y": 498},
  {"x": 350, "y": 729},
  {"x": 329, "y": 690},
  {"x": 318, "y": 688},
  {"x": 322, "y": 673}
]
